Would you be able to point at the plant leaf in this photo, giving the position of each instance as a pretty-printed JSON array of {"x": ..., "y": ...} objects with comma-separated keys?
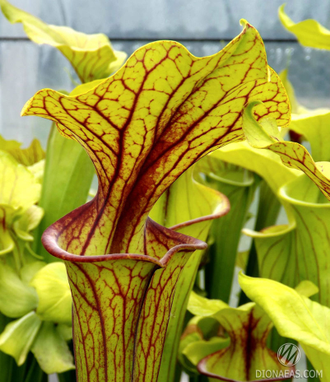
[
  {"x": 193, "y": 348},
  {"x": 172, "y": 284},
  {"x": 187, "y": 207},
  {"x": 299, "y": 250},
  {"x": 201, "y": 306},
  {"x": 295, "y": 316},
  {"x": 175, "y": 326},
  {"x": 51, "y": 350},
  {"x": 308, "y": 32},
  {"x": 141, "y": 117},
  {"x": 55, "y": 302},
  {"x": 265, "y": 163},
  {"x": 266, "y": 136},
  {"x": 306, "y": 288},
  {"x": 16, "y": 297},
  {"x": 303, "y": 119},
  {"x": 29, "y": 270},
  {"x": 248, "y": 328},
  {"x": 29, "y": 156},
  {"x": 37, "y": 170},
  {"x": 65, "y": 185},
  {"x": 7, "y": 363},
  {"x": 315, "y": 128},
  {"x": 197, "y": 350},
  {"x": 19, "y": 191},
  {"x": 18, "y": 336},
  {"x": 91, "y": 56},
  {"x": 65, "y": 331},
  {"x": 114, "y": 301},
  {"x": 27, "y": 222},
  {"x": 7, "y": 243},
  {"x": 239, "y": 186},
  {"x": 240, "y": 361},
  {"x": 242, "y": 259},
  {"x": 19, "y": 188}
]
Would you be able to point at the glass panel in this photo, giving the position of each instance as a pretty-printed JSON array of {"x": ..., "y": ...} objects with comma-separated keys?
[{"x": 194, "y": 19}]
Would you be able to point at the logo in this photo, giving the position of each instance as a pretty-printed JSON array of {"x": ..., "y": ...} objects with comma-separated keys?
[{"x": 288, "y": 355}]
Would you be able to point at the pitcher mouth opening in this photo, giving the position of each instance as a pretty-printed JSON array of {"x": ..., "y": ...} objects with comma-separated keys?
[
  {"x": 184, "y": 242},
  {"x": 304, "y": 192}
]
